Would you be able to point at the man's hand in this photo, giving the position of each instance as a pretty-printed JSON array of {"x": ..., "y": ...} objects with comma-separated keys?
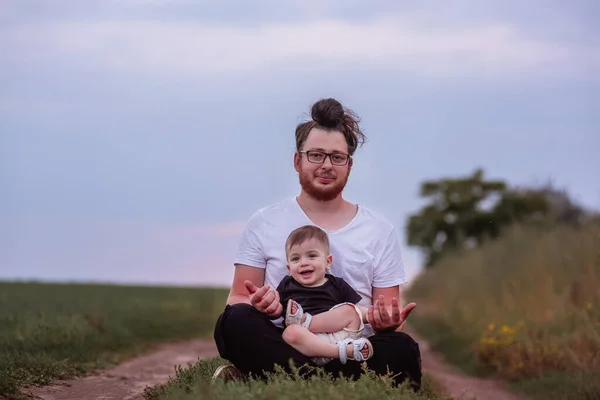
[
  {"x": 264, "y": 299},
  {"x": 393, "y": 320}
]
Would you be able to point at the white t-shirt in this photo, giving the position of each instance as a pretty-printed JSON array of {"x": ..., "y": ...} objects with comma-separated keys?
[{"x": 366, "y": 252}]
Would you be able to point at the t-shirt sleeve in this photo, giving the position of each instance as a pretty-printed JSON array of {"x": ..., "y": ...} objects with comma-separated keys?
[
  {"x": 347, "y": 293},
  {"x": 250, "y": 249},
  {"x": 389, "y": 267}
]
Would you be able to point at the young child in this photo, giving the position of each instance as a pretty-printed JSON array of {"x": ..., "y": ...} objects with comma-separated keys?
[{"x": 322, "y": 317}]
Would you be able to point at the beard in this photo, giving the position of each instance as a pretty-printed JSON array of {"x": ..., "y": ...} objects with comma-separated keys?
[{"x": 322, "y": 192}]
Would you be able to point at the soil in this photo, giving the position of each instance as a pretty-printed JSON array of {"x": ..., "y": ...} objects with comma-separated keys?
[
  {"x": 454, "y": 382},
  {"x": 128, "y": 380}
]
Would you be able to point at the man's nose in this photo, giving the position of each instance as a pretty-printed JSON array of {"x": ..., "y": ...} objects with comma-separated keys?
[{"x": 327, "y": 163}]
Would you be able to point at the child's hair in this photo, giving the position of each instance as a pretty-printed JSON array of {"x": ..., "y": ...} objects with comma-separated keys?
[{"x": 304, "y": 233}]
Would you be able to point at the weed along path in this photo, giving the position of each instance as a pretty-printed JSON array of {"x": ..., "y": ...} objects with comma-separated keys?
[
  {"x": 455, "y": 383},
  {"x": 128, "y": 380}
]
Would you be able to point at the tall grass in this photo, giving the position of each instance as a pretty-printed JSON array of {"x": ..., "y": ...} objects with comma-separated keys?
[
  {"x": 56, "y": 331},
  {"x": 526, "y": 306}
]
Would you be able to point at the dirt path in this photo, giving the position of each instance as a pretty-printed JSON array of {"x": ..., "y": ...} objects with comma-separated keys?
[
  {"x": 454, "y": 382},
  {"x": 128, "y": 380}
]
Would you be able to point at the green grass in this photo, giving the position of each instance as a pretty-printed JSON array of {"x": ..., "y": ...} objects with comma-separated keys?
[
  {"x": 57, "y": 331},
  {"x": 525, "y": 307},
  {"x": 194, "y": 382}
]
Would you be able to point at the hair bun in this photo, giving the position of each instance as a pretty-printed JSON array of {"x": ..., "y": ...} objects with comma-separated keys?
[{"x": 328, "y": 113}]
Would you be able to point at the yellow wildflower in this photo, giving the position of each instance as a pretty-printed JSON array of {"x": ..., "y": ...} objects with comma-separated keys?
[{"x": 507, "y": 330}]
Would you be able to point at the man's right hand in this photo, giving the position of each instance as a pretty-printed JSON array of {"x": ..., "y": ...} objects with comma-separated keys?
[{"x": 264, "y": 299}]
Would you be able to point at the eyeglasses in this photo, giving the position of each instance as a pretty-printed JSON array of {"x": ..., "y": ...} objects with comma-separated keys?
[{"x": 318, "y": 157}]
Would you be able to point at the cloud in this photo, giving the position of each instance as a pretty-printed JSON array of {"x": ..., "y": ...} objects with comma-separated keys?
[
  {"x": 193, "y": 50},
  {"x": 117, "y": 110}
]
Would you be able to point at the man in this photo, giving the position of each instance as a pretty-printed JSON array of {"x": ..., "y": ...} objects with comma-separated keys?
[{"x": 365, "y": 251}]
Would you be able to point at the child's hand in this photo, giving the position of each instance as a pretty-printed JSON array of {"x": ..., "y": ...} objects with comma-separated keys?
[{"x": 264, "y": 299}]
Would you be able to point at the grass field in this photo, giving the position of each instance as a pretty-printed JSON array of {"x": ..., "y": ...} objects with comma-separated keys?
[
  {"x": 53, "y": 331},
  {"x": 525, "y": 307},
  {"x": 194, "y": 382},
  {"x": 56, "y": 331}
]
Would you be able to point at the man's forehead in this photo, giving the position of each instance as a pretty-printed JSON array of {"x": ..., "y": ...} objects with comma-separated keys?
[{"x": 323, "y": 140}]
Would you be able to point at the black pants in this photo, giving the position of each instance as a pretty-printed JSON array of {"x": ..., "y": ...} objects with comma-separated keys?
[{"x": 253, "y": 344}]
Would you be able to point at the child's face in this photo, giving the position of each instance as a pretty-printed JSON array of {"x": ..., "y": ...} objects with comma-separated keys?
[{"x": 308, "y": 262}]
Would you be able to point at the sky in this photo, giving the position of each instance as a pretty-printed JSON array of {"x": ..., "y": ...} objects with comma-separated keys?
[{"x": 137, "y": 138}]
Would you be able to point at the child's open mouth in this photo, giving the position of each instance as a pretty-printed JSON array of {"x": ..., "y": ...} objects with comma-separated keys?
[{"x": 306, "y": 273}]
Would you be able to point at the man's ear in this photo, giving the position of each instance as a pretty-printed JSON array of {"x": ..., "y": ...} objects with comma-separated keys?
[
  {"x": 297, "y": 161},
  {"x": 350, "y": 162}
]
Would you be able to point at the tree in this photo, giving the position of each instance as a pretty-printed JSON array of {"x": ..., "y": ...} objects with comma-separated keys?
[{"x": 464, "y": 212}]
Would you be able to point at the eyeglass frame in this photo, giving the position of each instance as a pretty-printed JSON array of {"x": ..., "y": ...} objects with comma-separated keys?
[{"x": 348, "y": 157}]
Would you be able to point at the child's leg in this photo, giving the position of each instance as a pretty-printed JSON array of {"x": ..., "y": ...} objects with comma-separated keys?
[
  {"x": 344, "y": 316},
  {"x": 311, "y": 345},
  {"x": 308, "y": 343}
]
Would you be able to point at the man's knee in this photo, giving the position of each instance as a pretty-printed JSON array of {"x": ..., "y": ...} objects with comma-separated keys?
[
  {"x": 238, "y": 318},
  {"x": 410, "y": 348},
  {"x": 404, "y": 343},
  {"x": 402, "y": 353},
  {"x": 234, "y": 320},
  {"x": 404, "y": 339},
  {"x": 237, "y": 313}
]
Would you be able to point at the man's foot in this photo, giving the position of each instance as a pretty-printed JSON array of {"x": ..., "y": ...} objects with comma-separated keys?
[{"x": 227, "y": 373}]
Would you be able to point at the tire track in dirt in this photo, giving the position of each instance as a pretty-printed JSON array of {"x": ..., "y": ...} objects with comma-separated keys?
[
  {"x": 128, "y": 380},
  {"x": 454, "y": 382}
]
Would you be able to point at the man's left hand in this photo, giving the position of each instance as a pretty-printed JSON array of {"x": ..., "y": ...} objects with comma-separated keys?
[{"x": 382, "y": 319}]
